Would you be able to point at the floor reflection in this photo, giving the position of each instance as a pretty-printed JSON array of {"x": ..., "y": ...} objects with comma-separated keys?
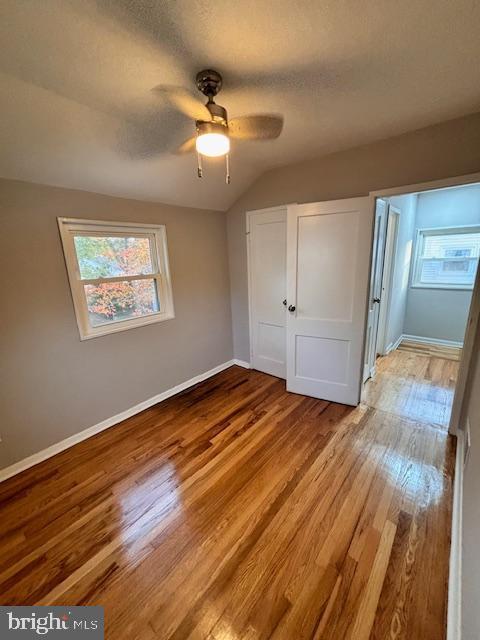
[{"x": 413, "y": 386}]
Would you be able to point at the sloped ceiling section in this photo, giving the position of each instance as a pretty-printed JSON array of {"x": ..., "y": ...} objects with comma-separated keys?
[{"x": 76, "y": 79}]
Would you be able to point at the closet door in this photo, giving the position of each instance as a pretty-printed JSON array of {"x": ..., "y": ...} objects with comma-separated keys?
[
  {"x": 267, "y": 252},
  {"x": 329, "y": 245}
]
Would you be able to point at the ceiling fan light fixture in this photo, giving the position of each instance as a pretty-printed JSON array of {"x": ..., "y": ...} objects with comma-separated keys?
[
  {"x": 213, "y": 128},
  {"x": 212, "y": 139},
  {"x": 213, "y": 145}
]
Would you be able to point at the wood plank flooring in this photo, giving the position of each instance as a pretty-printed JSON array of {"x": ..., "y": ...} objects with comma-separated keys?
[
  {"x": 435, "y": 351},
  {"x": 238, "y": 511},
  {"x": 413, "y": 385}
]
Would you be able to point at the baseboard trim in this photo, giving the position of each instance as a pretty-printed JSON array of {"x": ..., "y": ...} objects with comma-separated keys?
[
  {"x": 36, "y": 458},
  {"x": 454, "y": 615},
  {"x": 393, "y": 345},
  {"x": 241, "y": 363},
  {"x": 435, "y": 341}
]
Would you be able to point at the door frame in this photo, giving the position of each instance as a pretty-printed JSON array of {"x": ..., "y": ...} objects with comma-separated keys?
[
  {"x": 249, "y": 216},
  {"x": 457, "y": 417},
  {"x": 393, "y": 219},
  {"x": 379, "y": 236}
]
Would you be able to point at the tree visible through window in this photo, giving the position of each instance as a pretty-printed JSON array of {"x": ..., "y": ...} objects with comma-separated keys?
[
  {"x": 447, "y": 258},
  {"x": 117, "y": 275},
  {"x": 106, "y": 257}
]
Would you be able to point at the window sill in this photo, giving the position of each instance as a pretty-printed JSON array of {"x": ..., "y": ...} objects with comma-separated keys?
[
  {"x": 125, "y": 325},
  {"x": 440, "y": 287}
]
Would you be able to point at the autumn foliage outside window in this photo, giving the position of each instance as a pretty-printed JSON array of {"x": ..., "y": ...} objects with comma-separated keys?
[
  {"x": 113, "y": 257},
  {"x": 119, "y": 274}
]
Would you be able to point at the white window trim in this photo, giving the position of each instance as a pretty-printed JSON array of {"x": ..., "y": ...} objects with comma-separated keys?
[
  {"x": 440, "y": 231},
  {"x": 157, "y": 233}
]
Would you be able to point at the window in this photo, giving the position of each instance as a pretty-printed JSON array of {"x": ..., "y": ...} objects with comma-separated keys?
[
  {"x": 446, "y": 258},
  {"x": 118, "y": 274}
]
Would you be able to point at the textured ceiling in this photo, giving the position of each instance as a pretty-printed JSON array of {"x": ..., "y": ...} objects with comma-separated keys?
[{"x": 77, "y": 108}]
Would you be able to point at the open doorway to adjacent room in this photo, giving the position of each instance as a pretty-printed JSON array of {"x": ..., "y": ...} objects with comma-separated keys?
[{"x": 426, "y": 249}]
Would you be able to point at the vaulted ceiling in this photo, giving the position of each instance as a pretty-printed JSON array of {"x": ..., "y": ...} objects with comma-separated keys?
[{"x": 76, "y": 78}]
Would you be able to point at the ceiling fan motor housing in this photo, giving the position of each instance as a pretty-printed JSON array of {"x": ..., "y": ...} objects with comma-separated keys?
[{"x": 209, "y": 82}]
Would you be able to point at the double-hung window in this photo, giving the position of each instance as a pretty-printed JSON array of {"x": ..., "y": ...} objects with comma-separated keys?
[
  {"x": 119, "y": 274},
  {"x": 446, "y": 258}
]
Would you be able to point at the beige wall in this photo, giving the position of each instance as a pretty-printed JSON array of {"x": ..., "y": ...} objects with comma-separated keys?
[
  {"x": 53, "y": 385},
  {"x": 445, "y": 150}
]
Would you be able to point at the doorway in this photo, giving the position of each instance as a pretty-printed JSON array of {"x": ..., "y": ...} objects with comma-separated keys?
[
  {"x": 423, "y": 275},
  {"x": 314, "y": 329}
]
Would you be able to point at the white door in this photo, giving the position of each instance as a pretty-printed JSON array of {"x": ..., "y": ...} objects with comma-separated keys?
[
  {"x": 267, "y": 255},
  {"x": 328, "y": 259},
  {"x": 375, "y": 288},
  {"x": 393, "y": 219}
]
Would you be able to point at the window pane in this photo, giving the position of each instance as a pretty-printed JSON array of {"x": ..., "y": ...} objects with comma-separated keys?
[
  {"x": 452, "y": 272},
  {"x": 449, "y": 258},
  {"x": 110, "y": 257},
  {"x": 452, "y": 245},
  {"x": 123, "y": 300}
]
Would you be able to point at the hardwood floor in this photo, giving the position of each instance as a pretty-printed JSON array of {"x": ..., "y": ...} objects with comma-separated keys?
[
  {"x": 412, "y": 385},
  {"x": 238, "y": 511},
  {"x": 436, "y": 351}
]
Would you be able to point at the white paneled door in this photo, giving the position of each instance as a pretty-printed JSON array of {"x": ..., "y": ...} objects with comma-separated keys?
[
  {"x": 328, "y": 259},
  {"x": 267, "y": 249}
]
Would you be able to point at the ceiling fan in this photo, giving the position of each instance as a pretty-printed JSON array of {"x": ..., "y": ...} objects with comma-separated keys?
[{"x": 213, "y": 128}]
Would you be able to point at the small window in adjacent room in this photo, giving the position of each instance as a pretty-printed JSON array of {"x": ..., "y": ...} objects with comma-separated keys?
[
  {"x": 446, "y": 258},
  {"x": 119, "y": 274}
]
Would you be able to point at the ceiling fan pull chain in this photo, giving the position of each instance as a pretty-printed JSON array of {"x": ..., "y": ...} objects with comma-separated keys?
[
  {"x": 199, "y": 166},
  {"x": 227, "y": 162}
]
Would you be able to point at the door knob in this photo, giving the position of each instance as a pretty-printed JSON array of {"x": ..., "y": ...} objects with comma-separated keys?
[
  {"x": 291, "y": 308},
  {"x": 284, "y": 302},
  {"x": 376, "y": 300}
]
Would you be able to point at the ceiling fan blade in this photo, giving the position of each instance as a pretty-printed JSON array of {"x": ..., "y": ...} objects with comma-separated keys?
[
  {"x": 184, "y": 101},
  {"x": 187, "y": 146},
  {"x": 260, "y": 127}
]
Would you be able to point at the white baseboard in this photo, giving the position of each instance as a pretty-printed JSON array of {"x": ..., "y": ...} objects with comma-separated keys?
[
  {"x": 454, "y": 615},
  {"x": 393, "y": 345},
  {"x": 435, "y": 341},
  {"x": 241, "y": 363},
  {"x": 34, "y": 459}
]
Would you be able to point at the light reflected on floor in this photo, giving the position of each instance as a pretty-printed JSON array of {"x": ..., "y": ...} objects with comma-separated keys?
[
  {"x": 413, "y": 386},
  {"x": 422, "y": 483},
  {"x": 157, "y": 497}
]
